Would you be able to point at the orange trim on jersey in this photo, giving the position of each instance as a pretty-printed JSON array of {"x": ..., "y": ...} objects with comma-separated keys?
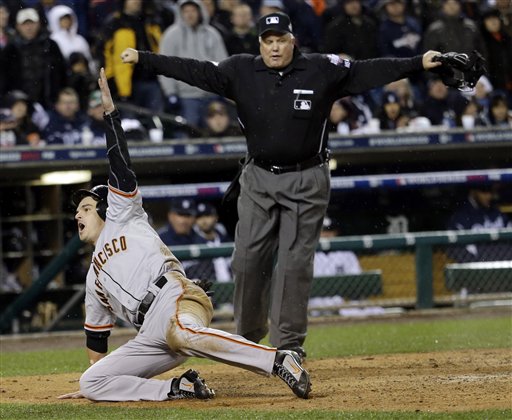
[
  {"x": 256, "y": 346},
  {"x": 123, "y": 193},
  {"x": 98, "y": 327}
]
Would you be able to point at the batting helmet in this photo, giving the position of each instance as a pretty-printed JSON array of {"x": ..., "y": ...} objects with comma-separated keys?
[{"x": 98, "y": 193}]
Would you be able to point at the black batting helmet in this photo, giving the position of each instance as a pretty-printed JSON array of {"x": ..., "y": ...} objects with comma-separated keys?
[{"x": 98, "y": 193}]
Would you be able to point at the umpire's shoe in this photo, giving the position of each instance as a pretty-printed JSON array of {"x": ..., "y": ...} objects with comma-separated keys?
[
  {"x": 190, "y": 385},
  {"x": 287, "y": 366}
]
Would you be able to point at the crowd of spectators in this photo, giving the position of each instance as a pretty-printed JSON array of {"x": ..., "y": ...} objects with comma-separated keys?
[{"x": 51, "y": 50}]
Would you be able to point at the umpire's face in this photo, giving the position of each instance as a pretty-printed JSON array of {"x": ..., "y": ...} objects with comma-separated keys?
[{"x": 277, "y": 49}]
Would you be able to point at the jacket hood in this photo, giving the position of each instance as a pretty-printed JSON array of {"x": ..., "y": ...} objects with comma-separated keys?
[
  {"x": 56, "y": 13},
  {"x": 205, "y": 19}
]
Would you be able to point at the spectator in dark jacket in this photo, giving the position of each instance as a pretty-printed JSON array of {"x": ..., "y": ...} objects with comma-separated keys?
[
  {"x": 499, "y": 50},
  {"x": 442, "y": 106},
  {"x": 243, "y": 37},
  {"x": 453, "y": 32},
  {"x": 27, "y": 133},
  {"x": 181, "y": 218},
  {"x": 399, "y": 34},
  {"x": 34, "y": 61},
  {"x": 66, "y": 122},
  {"x": 353, "y": 33},
  {"x": 478, "y": 213},
  {"x": 80, "y": 78},
  {"x": 7, "y": 34}
]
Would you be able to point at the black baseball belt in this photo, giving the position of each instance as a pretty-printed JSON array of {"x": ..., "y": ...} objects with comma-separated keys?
[
  {"x": 146, "y": 302},
  {"x": 316, "y": 160}
]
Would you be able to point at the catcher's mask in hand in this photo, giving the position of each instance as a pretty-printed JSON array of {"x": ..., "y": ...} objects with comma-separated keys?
[{"x": 461, "y": 71}]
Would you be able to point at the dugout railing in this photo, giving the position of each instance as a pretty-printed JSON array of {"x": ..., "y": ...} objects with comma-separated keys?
[{"x": 410, "y": 270}]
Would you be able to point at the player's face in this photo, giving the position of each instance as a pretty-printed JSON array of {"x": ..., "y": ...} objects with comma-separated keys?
[
  {"x": 206, "y": 223},
  {"x": 277, "y": 50},
  {"x": 181, "y": 223},
  {"x": 89, "y": 223}
]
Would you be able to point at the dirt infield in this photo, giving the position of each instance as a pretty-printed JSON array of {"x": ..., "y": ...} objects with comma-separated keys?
[{"x": 435, "y": 382}]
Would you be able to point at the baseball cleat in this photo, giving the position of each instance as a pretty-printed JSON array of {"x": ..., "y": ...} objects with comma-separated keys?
[
  {"x": 297, "y": 349},
  {"x": 190, "y": 385},
  {"x": 287, "y": 366}
]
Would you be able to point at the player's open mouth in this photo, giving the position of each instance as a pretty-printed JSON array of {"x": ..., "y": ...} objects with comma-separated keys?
[{"x": 81, "y": 227}]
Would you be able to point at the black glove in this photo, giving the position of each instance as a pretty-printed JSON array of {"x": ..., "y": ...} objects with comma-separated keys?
[
  {"x": 205, "y": 285},
  {"x": 460, "y": 71}
]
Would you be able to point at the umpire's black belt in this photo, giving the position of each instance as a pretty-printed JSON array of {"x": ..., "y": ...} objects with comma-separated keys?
[
  {"x": 146, "y": 302},
  {"x": 316, "y": 160}
]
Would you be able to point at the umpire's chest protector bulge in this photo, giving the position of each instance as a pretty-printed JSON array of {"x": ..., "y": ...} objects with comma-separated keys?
[{"x": 284, "y": 112}]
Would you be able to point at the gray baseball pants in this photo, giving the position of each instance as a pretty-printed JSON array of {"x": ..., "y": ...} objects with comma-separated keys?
[
  {"x": 280, "y": 219},
  {"x": 176, "y": 326}
]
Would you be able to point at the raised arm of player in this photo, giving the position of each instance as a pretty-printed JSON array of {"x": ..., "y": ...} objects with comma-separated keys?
[{"x": 121, "y": 175}]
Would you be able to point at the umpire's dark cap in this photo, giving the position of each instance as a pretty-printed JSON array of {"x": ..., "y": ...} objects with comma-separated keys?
[
  {"x": 183, "y": 206},
  {"x": 206, "y": 209},
  {"x": 275, "y": 22}
]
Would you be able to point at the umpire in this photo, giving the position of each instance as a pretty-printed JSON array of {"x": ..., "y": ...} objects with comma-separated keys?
[{"x": 283, "y": 100}]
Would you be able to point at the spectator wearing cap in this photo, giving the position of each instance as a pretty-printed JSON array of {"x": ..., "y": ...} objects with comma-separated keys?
[
  {"x": 353, "y": 33},
  {"x": 207, "y": 226},
  {"x": 181, "y": 217},
  {"x": 179, "y": 230},
  {"x": 407, "y": 96},
  {"x": 34, "y": 60},
  {"x": 191, "y": 36},
  {"x": 499, "y": 48},
  {"x": 219, "y": 122},
  {"x": 391, "y": 114},
  {"x": 333, "y": 263},
  {"x": 399, "y": 34},
  {"x": 476, "y": 213}
]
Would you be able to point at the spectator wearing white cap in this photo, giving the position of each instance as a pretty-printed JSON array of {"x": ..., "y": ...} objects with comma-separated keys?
[{"x": 35, "y": 60}]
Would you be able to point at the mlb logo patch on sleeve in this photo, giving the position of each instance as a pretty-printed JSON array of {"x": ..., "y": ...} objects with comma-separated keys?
[{"x": 338, "y": 61}]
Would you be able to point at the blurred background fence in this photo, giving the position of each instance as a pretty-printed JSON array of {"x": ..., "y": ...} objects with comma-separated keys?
[{"x": 399, "y": 271}]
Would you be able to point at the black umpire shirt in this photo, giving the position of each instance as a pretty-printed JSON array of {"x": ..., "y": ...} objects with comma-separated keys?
[{"x": 283, "y": 112}]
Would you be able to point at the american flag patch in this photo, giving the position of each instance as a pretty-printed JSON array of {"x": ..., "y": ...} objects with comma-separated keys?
[{"x": 338, "y": 61}]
